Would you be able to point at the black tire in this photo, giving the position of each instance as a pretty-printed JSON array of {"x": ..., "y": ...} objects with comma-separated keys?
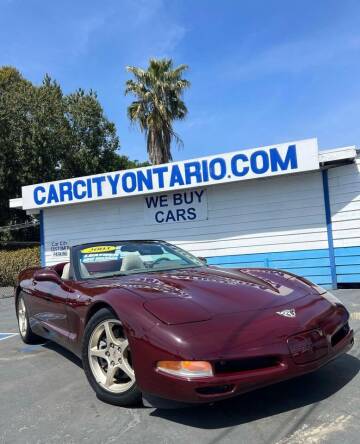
[
  {"x": 26, "y": 333},
  {"x": 128, "y": 398}
]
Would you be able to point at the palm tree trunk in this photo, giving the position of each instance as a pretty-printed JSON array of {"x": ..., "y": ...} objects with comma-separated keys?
[{"x": 158, "y": 146}]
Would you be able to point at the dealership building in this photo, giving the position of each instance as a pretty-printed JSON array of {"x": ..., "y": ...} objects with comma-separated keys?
[{"x": 287, "y": 206}]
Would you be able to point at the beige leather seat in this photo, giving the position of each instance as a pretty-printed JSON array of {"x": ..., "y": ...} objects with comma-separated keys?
[
  {"x": 84, "y": 271},
  {"x": 132, "y": 262},
  {"x": 66, "y": 272}
]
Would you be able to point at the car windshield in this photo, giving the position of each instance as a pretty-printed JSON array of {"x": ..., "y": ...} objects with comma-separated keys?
[{"x": 118, "y": 258}]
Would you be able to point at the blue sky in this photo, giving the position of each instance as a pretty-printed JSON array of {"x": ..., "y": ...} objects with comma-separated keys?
[{"x": 262, "y": 72}]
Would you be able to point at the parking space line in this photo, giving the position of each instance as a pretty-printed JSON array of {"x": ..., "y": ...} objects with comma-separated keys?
[{"x": 7, "y": 335}]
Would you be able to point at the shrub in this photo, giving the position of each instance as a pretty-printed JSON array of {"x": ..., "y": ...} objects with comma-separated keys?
[{"x": 13, "y": 261}]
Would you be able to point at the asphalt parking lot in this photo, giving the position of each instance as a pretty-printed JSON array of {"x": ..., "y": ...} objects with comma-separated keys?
[{"x": 45, "y": 398}]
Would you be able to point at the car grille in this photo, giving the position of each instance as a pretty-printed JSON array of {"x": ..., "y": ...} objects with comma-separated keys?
[
  {"x": 215, "y": 389},
  {"x": 246, "y": 364}
]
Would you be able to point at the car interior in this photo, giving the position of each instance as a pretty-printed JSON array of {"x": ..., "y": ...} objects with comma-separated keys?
[{"x": 132, "y": 261}]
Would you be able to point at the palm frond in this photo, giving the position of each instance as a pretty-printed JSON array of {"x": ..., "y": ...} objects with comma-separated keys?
[{"x": 158, "y": 92}]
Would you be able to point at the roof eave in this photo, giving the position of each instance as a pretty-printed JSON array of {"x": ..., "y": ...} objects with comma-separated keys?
[{"x": 337, "y": 157}]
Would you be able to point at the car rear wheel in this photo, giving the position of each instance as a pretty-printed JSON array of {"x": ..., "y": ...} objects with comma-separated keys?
[
  {"x": 107, "y": 360},
  {"x": 24, "y": 325}
]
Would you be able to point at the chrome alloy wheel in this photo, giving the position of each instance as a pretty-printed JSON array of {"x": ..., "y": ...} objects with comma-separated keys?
[
  {"x": 110, "y": 357},
  {"x": 22, "y": 319}
]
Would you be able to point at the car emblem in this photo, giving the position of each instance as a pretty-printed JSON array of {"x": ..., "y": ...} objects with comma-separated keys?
[{"x": 291, "y": 313}]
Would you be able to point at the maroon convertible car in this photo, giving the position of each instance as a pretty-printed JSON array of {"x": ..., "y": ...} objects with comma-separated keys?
[{"x": 151, "y": 321}]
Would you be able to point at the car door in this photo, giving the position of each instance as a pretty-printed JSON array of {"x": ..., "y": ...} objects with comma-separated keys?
[{"x": 49, "y": 309}]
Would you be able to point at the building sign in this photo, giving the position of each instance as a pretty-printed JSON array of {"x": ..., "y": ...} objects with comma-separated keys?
[
  {"x": 182, "y": 206},
  {"x": 274, "y": 160}
]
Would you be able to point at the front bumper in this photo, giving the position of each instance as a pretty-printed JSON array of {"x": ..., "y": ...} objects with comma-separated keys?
[
  {"x": 211, "y": 389},
  {"x": 227, "y": 384}
]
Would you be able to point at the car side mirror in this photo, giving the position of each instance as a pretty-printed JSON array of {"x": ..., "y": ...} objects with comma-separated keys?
[
  {"x": 203, "y": 259},
  {"x": 46, "y": 275}
]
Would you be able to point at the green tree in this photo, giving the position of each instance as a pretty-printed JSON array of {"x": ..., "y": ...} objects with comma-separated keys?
[
  {"x": 46, "y": 135},
  {"x": 158, "y": 91}
]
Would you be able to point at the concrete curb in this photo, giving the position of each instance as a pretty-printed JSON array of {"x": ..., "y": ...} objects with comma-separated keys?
[{"x": 6, "y": 292}]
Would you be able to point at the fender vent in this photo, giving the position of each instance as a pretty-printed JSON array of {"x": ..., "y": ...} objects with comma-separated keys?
[{"x": 340, "y": 334}]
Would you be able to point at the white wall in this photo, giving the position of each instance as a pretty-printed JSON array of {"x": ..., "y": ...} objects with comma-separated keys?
[
  {"x": 344, "y": 189},
  {"x": 265, "y": 215}
]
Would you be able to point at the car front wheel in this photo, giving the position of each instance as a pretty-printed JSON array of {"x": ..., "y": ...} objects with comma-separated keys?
[{"x": 107, "y": 360}]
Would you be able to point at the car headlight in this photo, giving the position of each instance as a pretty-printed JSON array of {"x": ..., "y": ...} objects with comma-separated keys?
[
  {"x": 327, "y": 295},
  {"x": 187, "y": 369}
]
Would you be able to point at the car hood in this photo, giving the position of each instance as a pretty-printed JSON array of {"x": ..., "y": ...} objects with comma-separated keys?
[{"x": 204, "y": 292}]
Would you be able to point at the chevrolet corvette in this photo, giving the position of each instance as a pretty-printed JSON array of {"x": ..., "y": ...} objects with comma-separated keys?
[{"x": 152, "y": 322}]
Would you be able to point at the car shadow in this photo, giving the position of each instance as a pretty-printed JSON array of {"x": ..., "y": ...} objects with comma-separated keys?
[
  {"x": 63, "y": 352},
  {"x": 285, "y": 396}
]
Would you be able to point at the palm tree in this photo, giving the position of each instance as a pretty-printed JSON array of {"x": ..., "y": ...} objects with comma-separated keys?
[{"x": 158, "y": 103}]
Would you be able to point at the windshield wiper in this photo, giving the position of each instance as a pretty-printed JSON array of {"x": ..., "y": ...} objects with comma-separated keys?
[
  {"x": 109, "y": 276},
  {"x": 158, "y": 270}
]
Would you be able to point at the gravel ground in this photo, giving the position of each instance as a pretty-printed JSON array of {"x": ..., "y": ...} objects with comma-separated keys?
[
  {"x": 6, "y": 292},
  {"x": 45, "y": 398}
]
